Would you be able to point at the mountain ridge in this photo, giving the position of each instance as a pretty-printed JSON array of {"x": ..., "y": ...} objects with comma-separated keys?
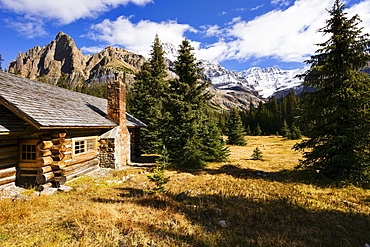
[{"x": 231, "y": 88}]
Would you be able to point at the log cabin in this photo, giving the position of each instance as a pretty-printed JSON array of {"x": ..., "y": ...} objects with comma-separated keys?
[{"x": 50, "y": 134}]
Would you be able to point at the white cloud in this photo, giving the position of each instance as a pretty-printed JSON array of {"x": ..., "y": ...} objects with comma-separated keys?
[
  {"x": 280, "y": 2},
  {"x": 138, "y": 37},
  {"x": 212, "y": 30},
  {"x": 92, "y": 49},
  {"x": 30, "y": 28},
  {"x": 289, "y": 35},
  {"x": 65, "y": 11},
  {"x": 257, "y": 7},
  {"x": 363, "y": 10}
]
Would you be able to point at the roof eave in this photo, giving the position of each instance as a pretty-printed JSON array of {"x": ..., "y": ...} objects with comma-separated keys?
[{"x": 19, "y": 113}]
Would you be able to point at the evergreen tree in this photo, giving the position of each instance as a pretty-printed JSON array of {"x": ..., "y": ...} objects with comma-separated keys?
[
  {"x": 235, "y": 130},
  {"x": 148, "y": 96},
  {"x": 292, "y": 107},
  {"x": 295, "y": 132},
  {"x": 185, "y": 138},
  {"x": 337, "y": 113},
  {"x": 257, "y": 154},
  {"x": 258, "y": 131},
  {"x": 285, "y": 131},
  {"x": 63, "y": 81}
]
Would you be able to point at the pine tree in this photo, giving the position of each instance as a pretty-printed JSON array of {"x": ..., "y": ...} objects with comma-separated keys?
[
  {"x": 258, "y": 131},
  {"x": 186, "y": 141},
  {"x": 148, "y": 96},
  {"x": 337, "y": 114},
  {"x": 63, "y": 81},
  {"x": 235, "y": 130},
  {"x": 285, "y": 131},
  {"x": 257, "y": 154},
  {"x": 295, "y": 133}
]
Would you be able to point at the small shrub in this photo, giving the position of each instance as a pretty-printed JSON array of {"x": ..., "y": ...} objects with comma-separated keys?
[
  {"x": 158, "y": 177},
  {"x": 257, "y": 154}
]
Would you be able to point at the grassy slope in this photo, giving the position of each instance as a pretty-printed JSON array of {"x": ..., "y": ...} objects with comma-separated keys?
[{"x": 264, "y": 203}]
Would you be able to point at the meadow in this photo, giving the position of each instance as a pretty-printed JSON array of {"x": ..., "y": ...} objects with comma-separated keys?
[{"x": 241, "y": 202}]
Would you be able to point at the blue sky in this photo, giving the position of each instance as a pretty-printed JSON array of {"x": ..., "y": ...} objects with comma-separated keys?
[{"x": 237, "y": 33}]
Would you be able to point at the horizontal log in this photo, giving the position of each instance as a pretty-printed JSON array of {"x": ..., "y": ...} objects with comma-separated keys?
[
  {"x": 82, "y": 172},
  {"x": 82, "y": 158},
  {"x": 60, "y": 148},
  {"x": 68, "y": 148},
  {"x": 10, "y": 161},
  {"x": 28, "y": 169},
  {"x": 9, "y": 165},
  {"x": 67, "y": 156},
  {"x": 8, "y": 142},
  {"x": 8, "y": 172},
  {"x": 8, "y": 149},
  {"x": 45, "y": 145},
  {"x": 60, "y": 180},
  {"x": 44, "y": 178},
  {"x": 7, "y": 180},
  {"x": 44, "y": 161},
  {"x": 58, "y": 165},
  {"x": 57, "y": 141},
  {"x": 4, "y": 156},
  {"x": 28, "y": 175},
  {"x": 80, "y": 166},
  {"x": 44, "y": 169},
  {"x": 27, "y": 164},
  {"x": 68, "y": 142}
]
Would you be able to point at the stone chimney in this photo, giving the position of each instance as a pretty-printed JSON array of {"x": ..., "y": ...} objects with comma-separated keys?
[
  {"x": 117, "y": 113},
  {"x": 117, "y": 101}
]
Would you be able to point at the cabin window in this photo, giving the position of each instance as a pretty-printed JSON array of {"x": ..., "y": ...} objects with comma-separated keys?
[
  {"x": 27, "y": 150},
  {"x": 84, "y": 145}
]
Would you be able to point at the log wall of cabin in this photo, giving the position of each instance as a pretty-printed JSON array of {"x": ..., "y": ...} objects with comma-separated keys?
[
  {"x": 55, "y": 161},
  {"x": 8, "y": 160},
  {"x": 64, "y": 165}
]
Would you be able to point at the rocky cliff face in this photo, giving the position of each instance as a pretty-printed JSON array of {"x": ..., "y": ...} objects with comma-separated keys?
[{"x": 62, "y": 56}]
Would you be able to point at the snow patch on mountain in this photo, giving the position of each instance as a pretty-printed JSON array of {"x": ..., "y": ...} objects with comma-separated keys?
[
  {"x": 267, "y": 81},
  {"x": 170, "y": 51},
  {"x": 220, "y": 76},
  {"x": 263, "y": 81}
]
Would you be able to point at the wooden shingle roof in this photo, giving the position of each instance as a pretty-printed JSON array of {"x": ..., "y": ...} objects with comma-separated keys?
[{"x": 46, "y": 106}]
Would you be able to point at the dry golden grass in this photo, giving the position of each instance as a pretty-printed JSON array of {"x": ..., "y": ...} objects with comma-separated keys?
[{"x": 263, "y": 203}]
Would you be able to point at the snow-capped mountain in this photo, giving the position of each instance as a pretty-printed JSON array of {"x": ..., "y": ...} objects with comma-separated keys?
[
  {"x": 268, "y": 81},
  {"x": 265, "y": 82},
  {"x": 170, "y": 51},
  {"x": 220, "y": 76},
  {"x": 260, "y": 82}
]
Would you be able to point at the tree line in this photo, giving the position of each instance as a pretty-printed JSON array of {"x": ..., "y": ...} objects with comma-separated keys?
[{"x": 275, "y": 117}]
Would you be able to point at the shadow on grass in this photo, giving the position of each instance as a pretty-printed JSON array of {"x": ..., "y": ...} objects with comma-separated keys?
[
  {"x": 279, "y": 221},
  {"x": 286, "y": 176}
]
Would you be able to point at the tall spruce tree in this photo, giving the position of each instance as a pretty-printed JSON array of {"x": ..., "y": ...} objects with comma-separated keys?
[
  {"x": 337, "y": 114},
  {"x": 191, "y": 138},
  {"x": 147, "y": 100},
  {"x": 234, "y": 129}
]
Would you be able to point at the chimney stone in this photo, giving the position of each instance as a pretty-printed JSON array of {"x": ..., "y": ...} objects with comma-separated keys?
[
  {"x": 117, "y": 113},
  {"x": 117, "y": 102}
]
